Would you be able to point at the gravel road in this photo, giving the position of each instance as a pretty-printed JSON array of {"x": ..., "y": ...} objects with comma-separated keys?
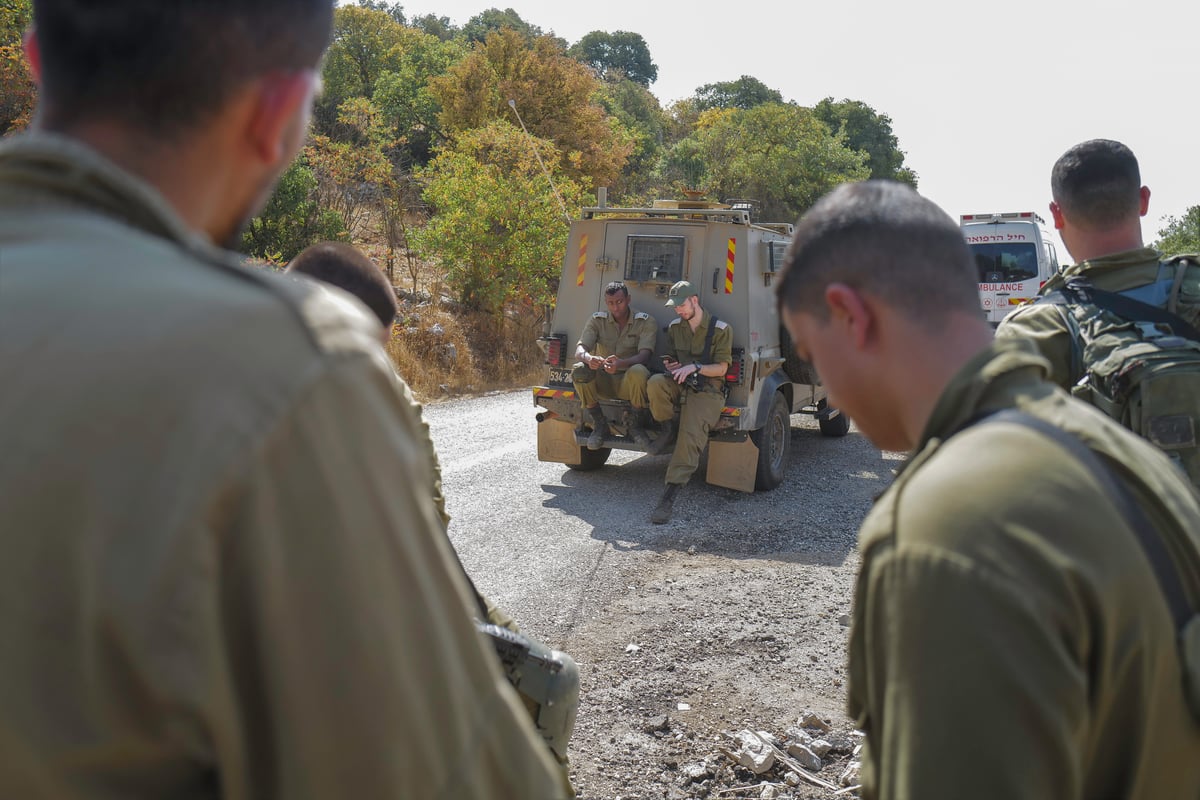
[{"x": 729, "y": 617}]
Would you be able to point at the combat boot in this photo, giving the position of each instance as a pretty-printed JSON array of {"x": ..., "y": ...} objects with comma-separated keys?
[
  {"x": 663, "y": 512},
  {"x": 635, "y": 420},
  {"x": 666, "y": 431},
  {"x": 599, "y": 428}
]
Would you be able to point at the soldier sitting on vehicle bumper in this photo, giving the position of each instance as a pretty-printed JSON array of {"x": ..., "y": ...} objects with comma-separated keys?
[
  {"x": 613, "y": 351},
  {"x": 697, "y": 359}
]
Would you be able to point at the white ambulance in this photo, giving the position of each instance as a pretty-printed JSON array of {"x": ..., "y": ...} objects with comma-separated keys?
[{"x": 1014, "y": 255}]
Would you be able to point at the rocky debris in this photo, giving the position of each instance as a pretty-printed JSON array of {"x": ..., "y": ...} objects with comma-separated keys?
[
  {"x": 805, "y": 756},
  {"x": 810, "y": 754},
  {"x": 658, "y": 726},
  {"x": 754, "y": 752},
  {"x": 809, "y": 719}
]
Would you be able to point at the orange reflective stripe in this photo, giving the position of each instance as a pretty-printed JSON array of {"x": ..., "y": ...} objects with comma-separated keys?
[
  {"x": 729, "y": 255},
  {"x": 582, "y": 260}
]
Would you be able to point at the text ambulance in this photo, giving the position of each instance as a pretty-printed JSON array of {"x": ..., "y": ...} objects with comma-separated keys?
[{"x": 1014, "y": 256}]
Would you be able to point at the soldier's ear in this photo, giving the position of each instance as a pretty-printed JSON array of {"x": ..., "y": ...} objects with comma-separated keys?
[
  {"x": 278, "y": 122},
  {"x": 850, "y": 312},
  {"x": 1056, "y": 213},
  {"x": 33, "y": 54},
  {"x": 1144, "y": 201}
]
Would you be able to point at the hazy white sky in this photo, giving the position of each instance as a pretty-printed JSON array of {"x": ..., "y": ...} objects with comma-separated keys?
[{"x": 983, "y": 96}]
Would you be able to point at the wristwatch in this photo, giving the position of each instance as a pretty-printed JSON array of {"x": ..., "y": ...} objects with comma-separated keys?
[{"x": 696, "y": 364}]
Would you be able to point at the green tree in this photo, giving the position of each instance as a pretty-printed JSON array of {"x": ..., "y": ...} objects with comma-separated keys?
[
  {"x": 616, "y": 55},
  {"x": 554, "y": 94},
  {"x": 745, "y": 92},
  {"x": 292, "y": 218},
  {"x": 17, "y": 90},
  {"x": 485, "y": 23},
  {"x": 393, "y": 10},
  {"x": 639, "y": 112},
  {"x": 497, "y": 228},
  {"x": 354, "y": 177},
  {"x": 1181, "y": 234},
  {"x": 869, "y": 132},
  {"x": 434, "y": 25},
  {"x": 367, "y": 42},
  {"x": 778, "y": 154},
  {"x": 404, "y": 97}
]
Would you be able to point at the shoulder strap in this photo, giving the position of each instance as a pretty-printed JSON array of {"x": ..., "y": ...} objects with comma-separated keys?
[
  {"x": 1152, "y": 544},
  {"x": 712, "y": 327},
  {"x": 1181, "y": 264},
  {"x": 1128, "y": 308}
]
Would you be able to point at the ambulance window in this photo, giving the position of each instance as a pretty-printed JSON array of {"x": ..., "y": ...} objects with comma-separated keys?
[
  {"x": 1007, "y": 262},
  {"x": 654, "y": 258}
]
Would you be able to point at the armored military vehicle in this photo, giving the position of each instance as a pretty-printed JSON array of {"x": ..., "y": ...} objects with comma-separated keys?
[{"x": 733, "y": 262}]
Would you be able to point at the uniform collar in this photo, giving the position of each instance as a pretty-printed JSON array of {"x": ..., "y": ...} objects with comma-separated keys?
[
  {"x": 47, "y": 168},
  {"x": 1142, "y": 257},
  {"x": 988, "y": 382}
]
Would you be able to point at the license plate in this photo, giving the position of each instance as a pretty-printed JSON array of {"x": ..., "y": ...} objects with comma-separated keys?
[{"x": 560, "y": 376}]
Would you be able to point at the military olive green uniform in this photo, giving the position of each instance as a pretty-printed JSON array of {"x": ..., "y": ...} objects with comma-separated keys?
[
  {"x": 603, "y": 337},
  {"x": 1044, "y": 324},
  {"x": 1009, "y": 636},
  {"x": 699, "y": 411},
  {"x": 223, "y": 572}
]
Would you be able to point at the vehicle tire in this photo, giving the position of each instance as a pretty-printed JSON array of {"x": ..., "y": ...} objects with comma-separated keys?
[
  {"x": 591, "y": 459},
  {"x": 835, "y": 426},
  {"x": 774, "y": 440},
  {"x": 795, "y": 367}
]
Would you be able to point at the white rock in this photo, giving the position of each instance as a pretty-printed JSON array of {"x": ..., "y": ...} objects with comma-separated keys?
[
  {"x": 849, "y": 776},
  {"x": 807, "y": 758},
  {"x": 632, "y": 648},
  {"x": 754, "y": 754},
  {"x": 799, "y": 735},
  {"x": 683, "y": 707},
  {"x": 820, "y": 747},
  {"x": 809, "y": 719},
  {"x": 769, "y": 792}
]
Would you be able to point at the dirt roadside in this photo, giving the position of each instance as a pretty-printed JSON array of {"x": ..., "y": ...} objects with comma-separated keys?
[
  {"x": 710, "y": 648},
  {"x": 732, "y": 623}
]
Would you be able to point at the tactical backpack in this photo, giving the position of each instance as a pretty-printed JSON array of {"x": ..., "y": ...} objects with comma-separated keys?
[{"x": 1137, "y": 360}]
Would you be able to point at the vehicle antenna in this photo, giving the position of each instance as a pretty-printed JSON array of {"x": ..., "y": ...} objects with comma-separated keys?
[{"x": 513, "y": 105}]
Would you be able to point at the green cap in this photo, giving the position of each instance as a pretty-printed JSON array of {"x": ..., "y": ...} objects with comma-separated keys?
[{"x": 680, "y": 292}]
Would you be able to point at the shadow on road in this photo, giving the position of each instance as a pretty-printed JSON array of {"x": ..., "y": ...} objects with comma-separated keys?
[{"x": 811, "y": 518}]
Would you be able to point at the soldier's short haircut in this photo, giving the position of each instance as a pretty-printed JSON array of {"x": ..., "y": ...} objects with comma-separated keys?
[
  {"x": 616, "y": 286},
  {"x": 163, "y": 65},
  {"x": 1097, "y": 183},
  {"x": 880, "y": 238},
  {"x": 346, "y": 267}
]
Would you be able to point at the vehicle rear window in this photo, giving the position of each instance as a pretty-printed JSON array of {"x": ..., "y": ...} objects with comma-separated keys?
[
  {"x": 1005, "y": 262},
  {"x": 655, "y": 258}
]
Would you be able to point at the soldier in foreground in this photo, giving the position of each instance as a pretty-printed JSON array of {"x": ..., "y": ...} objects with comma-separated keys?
[
  {"x": 699, "y": 349},
  {"x": 1024, "y": 620},
  {"x": 223, "y": 574},
  {"x": 547, "y": 680},
  {"x": 614, "y": 352}
]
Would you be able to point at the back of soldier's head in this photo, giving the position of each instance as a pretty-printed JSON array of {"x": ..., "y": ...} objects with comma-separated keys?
[
  {"x": 884, "y": 239},
  {"x": 1097, "y": 183},
  {"x": 164, "y": 65},
  {"x": 345, "y": 267}
]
